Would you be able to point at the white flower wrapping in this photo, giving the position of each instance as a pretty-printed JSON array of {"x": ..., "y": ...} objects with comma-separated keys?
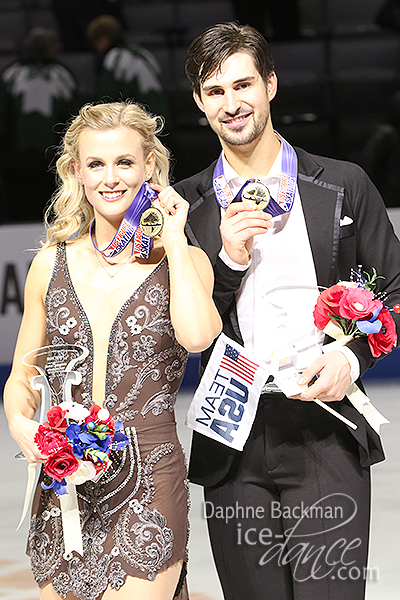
[
  {"x": 75, "y": 411},
  {"x": 85, "y": 472}
]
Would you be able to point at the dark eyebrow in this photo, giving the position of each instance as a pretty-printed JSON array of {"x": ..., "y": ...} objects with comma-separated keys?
[{"x": 207, "y": 88}]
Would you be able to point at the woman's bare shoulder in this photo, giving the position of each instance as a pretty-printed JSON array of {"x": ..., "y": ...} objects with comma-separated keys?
[
  {"x": 45, "y": 257},
  {"x": 41, "y": 268}
]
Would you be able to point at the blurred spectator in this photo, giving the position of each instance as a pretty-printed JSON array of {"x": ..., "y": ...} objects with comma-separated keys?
[
  {"x": 127, "y": 71},
  {"x": 283, "y": 15},
  {"x": 73, "y": 17},
  {"x": 36, "y": 93}
]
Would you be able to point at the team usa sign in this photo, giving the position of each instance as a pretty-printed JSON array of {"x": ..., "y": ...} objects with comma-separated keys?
[{"x": 225, "y": 402}]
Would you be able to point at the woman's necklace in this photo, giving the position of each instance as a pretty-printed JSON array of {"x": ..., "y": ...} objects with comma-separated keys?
[{"x": 121, "y": 266}]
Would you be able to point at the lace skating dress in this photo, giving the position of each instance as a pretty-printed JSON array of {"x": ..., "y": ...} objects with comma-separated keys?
[{"x": 134, "y": 519}]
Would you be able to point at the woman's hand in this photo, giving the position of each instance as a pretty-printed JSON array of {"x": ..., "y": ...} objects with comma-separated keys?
[
  {"x": 23, "y": 431},
  {"x": 174, "y": 209}
]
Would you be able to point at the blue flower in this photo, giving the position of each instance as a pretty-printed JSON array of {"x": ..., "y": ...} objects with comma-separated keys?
[
  {"x": 73, "y": 433},
  {"x": 372, "y": 325},
  {"x": 60, "y": 487},
  {"x": 91, "y": 440},
  {"x": 120, "y": 440},
  {"x": 86, "y": 438}
]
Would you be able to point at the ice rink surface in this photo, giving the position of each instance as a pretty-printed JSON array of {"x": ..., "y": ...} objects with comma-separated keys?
[{"x": 16, "y": 582}]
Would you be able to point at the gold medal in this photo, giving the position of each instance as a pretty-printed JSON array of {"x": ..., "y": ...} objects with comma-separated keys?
[
  {"x": 256, "y": 192},
  {"x": 152, "y": 221}
]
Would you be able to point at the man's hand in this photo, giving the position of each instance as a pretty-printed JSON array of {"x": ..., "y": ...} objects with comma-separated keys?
[
  {"x": 333, "y": 378},
  {"x": 241, "y": 222}
]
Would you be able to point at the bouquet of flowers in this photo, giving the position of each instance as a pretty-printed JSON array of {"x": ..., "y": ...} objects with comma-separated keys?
[
  {"x": 77, "y": 443},
  {"x": 354, "y": 307}
]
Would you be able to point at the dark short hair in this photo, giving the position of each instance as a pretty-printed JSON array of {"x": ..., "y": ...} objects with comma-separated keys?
[
  {"x": 105, "y": 25},
  {"x": 40, "y": 45},
  {"x": 216, "y": 43}
]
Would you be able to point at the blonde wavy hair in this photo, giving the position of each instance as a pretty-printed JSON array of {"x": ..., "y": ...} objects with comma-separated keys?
[{"x": 69, "y": 213}]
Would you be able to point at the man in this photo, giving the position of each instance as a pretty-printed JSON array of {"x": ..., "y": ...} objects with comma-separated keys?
[
  {"x": 127, "y": 71},
  {"x": 73, "y": 17},
  {"x": 37, "y": 93},
  {"x": 289, "y": 515}
]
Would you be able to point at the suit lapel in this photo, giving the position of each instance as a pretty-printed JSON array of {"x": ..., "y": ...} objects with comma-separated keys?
[
  {"x": 322, "y": 206},
  {"x": 202, "y": 226}
]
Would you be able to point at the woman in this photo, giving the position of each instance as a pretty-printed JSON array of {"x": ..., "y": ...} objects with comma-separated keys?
[{"x": 138, "y": 317}]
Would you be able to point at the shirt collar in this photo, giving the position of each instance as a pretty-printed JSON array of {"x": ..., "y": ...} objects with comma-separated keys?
[{"x": 235, "y": 180}]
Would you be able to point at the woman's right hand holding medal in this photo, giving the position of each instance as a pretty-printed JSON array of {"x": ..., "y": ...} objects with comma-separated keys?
[{"x": 174, "y": 209}]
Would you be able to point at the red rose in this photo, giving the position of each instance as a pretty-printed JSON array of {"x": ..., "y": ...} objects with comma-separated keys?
[
  {"x": 358, "y": 303},
  {"x": 328, "y": 304},
  {"x": 56, "y": 419},
  {"x": 94, "y": 416},
  {"x": 332, "y": 295},
  {"x": 386, "y": 338},
  {"x": 61, "y": 464},
  {"x": 321, "y": 315},
  {"x": 49, "y": 441}
]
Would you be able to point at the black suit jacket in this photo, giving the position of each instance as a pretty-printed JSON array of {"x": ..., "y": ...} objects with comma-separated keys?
[{"x": 329, "y": 190}]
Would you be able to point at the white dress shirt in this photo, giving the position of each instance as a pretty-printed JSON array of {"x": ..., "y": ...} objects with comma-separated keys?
[{"x": 278, "y": 293}]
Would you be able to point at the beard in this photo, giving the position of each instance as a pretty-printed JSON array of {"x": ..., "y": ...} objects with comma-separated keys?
[{"x": 245, "y": 135}]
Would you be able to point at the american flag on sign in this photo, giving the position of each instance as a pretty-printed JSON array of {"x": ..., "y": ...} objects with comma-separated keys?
[{"x": 241, "y": 366}]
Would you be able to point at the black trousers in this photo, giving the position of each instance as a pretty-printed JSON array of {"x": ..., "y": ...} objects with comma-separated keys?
[{"x": 291, "y": 519}]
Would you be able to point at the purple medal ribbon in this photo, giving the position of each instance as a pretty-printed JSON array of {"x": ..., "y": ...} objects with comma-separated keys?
[
  {"x": 287, "y": 184},
  {"x": 129, "y": 228}
]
